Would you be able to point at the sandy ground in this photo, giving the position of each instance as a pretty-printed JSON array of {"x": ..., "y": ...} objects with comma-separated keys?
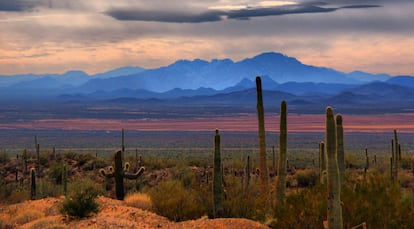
[{"x": 113, "y": 214}]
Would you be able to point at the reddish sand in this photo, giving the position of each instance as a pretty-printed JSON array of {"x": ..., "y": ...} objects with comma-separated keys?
[{"x": 296, "y": 123}]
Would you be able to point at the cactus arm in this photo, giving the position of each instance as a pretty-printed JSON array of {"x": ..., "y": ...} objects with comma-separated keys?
[
  {"x": 133, "y": 176},
  {"x": 106, "y": 174}
]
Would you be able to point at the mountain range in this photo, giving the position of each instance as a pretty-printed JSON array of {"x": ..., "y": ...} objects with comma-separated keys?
[{"x": 215, "y": 82}]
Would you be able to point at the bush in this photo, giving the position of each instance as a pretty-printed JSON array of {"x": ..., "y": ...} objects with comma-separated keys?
[
  {"x": 81, "y": 202},
  {"x": 306, "y": 178},
  {"x": 55, "y": 172},
  {"x": 139, "y": 200},
  {"x": 173, "y": 201}
]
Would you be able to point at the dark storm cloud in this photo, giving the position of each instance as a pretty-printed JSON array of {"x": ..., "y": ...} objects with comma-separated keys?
[{"x": 217, "y": 15}]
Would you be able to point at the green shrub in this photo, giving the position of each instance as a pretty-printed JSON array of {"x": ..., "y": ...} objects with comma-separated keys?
[
  {"x": 173, "y": 201},
  {"x": 306, "y": 178},
  {"x": 55, "y": 172},
  {"x": 81, "y": 201}
]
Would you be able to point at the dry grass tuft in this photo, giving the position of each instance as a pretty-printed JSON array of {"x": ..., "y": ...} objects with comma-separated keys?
[
  {"x": 26, "y": 216},
  {"x": 47, "y": 223},
  {"x": 139, "y": 200}
]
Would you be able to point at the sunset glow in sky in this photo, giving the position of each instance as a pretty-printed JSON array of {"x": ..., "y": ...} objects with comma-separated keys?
[{"x": 54, "y": 36}]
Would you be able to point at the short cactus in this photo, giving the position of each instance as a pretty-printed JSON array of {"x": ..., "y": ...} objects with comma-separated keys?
[
  {"x": 120, "y": 173},
  {"x": 65, "y": 179}
]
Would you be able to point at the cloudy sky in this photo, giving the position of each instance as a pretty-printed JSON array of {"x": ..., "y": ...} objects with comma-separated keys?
[{"x": 54, "y": 36}]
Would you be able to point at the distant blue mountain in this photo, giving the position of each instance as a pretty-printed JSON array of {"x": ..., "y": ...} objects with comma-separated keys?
[
  {"x": 404, "y": 81},
  {"x": 124, "y": 71}
]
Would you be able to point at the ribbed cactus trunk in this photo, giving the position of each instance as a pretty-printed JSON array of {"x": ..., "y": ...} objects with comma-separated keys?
[
  {"x": 366, "y": 159},
  {"x": 333, "y": 181},
  {"x": 340, "y": 148},
  {"x": 32, "y": 184},
  {"x": 119, "y": 178},
  {"x": 281, "y": 168},
  {"x": 248, "y": 172},
  {"x": 217, "y": 178},
  {"x": 395, "y": 157},
  {"x": 262, "y": 139},
  {"x": 322, "y": 162}
]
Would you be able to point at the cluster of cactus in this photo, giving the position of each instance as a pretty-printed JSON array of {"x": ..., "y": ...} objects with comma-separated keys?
[
  {"x": 262, "y": 138},
  {"x": 282, "y": 162},
  {"x": 120, "y": 172},
  {"x": 333, "y": 180},
  {"x": 217, "y": 178}
]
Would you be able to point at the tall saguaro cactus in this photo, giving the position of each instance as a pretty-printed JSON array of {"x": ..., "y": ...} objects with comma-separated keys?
[
  {"x": 120, "y": 173},
  {"x": 217, "y": 178},
  {"x": 123, "y": 141},
  {"x": 281, "y": 168},
  {"x": 340, "y": 148},
  {"x": 334, "y": 188},
  {"x": 32, "y": 184},
  {"x": 262, "y": 138}
]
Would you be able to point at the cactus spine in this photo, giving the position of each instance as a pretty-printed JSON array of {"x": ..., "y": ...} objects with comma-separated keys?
[
  {"x": 281, "y": 168},
  {"x": 120, "y": 173},
  {"x": 32, "y": 184},
  {"x": 262, "y": 138},
  {"x": 333, "y": 181},
  {"x": 217, "y": 178},
  {"x": 322, "y": 162},
  {"x": 340, "y": 148}
]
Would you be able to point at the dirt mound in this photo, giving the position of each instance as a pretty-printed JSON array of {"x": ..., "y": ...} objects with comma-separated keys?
[{"x": 44, "y": 213}]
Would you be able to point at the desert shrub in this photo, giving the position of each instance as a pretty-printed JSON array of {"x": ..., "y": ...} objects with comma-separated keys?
[
  {"x": 351, "y": 160},
  {"x": 55, "y": 172},
  {"x": 242, "y": 202},
  {"x": 304, "y": 208},
  {"x": 172, "y": 200},
  {"x": 306, "y": 178},
  {"x": 80, "y": 202},
  {"x": 4, "y": 157},
  {"x": 406, "y": 162},
  {"x": 184, "y": 174},
  {"x": 27, "y": 215},
  {"x": 139, "y": 200}
]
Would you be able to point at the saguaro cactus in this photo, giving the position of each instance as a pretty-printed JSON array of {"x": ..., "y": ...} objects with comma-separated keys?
[
  {"x": 322, "y": 162},
  {"x": 395, "y": 156},
  {"x": 281, "y": 168},
  {"x": 217, "y": 178},
  {"x": 120, "y": 173},
  {"x": 248, "y": 171},
  {"x": 32, "y": 184},
  {"x": 334, "y": 188},
  {"x": 340, "y": 148},
  {"x": 123, "y": 141},
  {"x": 262, "y": 138}
]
